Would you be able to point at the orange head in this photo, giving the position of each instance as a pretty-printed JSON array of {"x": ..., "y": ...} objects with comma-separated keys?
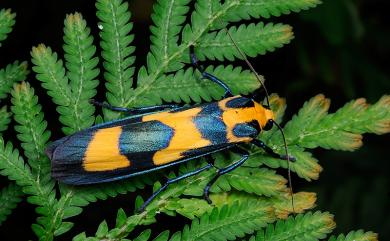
[{"x": 264, "y": 116}]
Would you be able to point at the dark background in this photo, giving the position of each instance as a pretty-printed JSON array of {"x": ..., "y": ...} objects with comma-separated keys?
[{"x": 341, "y": 49}]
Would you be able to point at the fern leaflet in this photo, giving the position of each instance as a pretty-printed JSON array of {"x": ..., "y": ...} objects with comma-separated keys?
[
  {"x": 12, "y": 73},
  {"x": 5, "y": 119},
  {"x": 10, "y": 196},
  {"x": 359, "y": 235},
  {"x": 7, "y": 20},
  {"x": 116, "y": 51},
  {"x": 307, "y": 227}
]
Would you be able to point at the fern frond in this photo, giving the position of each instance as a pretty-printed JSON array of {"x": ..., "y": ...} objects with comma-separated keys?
[
  {"x": 5, "y": 119},
  {"x": 34, "y": 137},
  {"x": 314, "y": 127},
  {"x": 122, "y": 228},
  {"x": 302, "y": 201},
  {"x": 307, "y": 227},
  {"x": 191, "y": 35},
  {"x": 143, "y": 236},
  {"x": 281, "y": 204},
  {"x": 187, "y": 85},
  {"x": 32, "y": 130},
  {"x": 117, "y": 52},
  {"x": 87, "y": 194},
  {"x": 228, "y": 222},
  {"x": 75, "y": 110},
  {"x": 252, "y": 39},
  {"x": 7, "y": 21},
  {"x": 11, "y": 74},
  {"x": 51, "y": 72},
  {"x": 82, "y": 67},
  {"x": 264, "y": 8},
  {"x": 359, "y": 235},
  {"x": 205, "y": 11},
  {"x": 168, "y": 17},
  {"x": 10, "y": 196},
  {"x": 187, "y": 207},
  {"x": 12, "y": 165},
  {"x": 253, "y": 180}
]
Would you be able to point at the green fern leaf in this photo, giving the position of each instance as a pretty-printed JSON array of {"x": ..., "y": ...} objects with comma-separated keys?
[
  {"x": 340, "y": 130},
  {"x": 75, "y": 110},
  {"x": 253, "y": 180},
  {"x": 187, "y": 207},
  {"x": 359, "y": 235},
  {"x": 5, "y": 119},
  {"x": 34, "y": 137},
  {"x": 116, "y": 51},
  {"x": 7, "y": 21},
  {"x": 313, "y": 127},
  {"x": 164, "y": 236},
  {"x": 280, "y": 204},
  {"x": 10, "y": 196},
  {"x": 144, "y": 236},
  {"x": 310, "y": 227},
  {"x": 251, "y": 39},
  {"x": 12, "y": 73},
  {"x": 12, "y": 165},
  {"x": 50, "y": 71},
  {"x": 81, "y": 66},
  {"x": 168, "y": 18},
  {"x": 186, "y": 86},
  {"x": 263, "y": 8},
  {"x": 229, "y": 222},
  {"x": 207, "y": 14},
  {"x": 32, "y": 130}
]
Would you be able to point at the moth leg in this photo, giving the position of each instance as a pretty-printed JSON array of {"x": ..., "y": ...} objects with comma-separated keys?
[
  {"x": 206, "y": 75},
  {"x": 134, "y": 111},
  {"x": 269, "y": 150},
  {"x": 173, "y": 180},
  {"x": 221, "y": 171}
]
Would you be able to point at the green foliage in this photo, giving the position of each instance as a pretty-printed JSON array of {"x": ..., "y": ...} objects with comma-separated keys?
[
  {"x": 12, "y": 73},
  {"x": 117, "y": 52},
  {"x": 71, "y": 89},
  {"x": 10, "y": 196},
  {"x": 251, "y": 39},
  {"x": 188, "y": 86},
  {"x": 245, "y": 200},
  {"x": 310, "y": 227},
  {"x": 7, "y": 21},
  {"x": 359, "y": 235},
  {"x": 227, "y": 222},
  {"x": 5, "y": 119},
  {"x": 314, "y": 127}
]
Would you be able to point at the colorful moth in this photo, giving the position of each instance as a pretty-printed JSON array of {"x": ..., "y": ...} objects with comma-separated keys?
[{"x": 161, "y": 136}]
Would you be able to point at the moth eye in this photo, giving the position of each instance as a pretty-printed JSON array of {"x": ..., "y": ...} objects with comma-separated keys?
[{"x": 268, "y": 125}]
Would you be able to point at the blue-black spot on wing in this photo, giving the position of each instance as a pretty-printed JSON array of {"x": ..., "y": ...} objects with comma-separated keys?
[
  {"x": 140, "y": 141},
  {"x": 210, "y": 124}
]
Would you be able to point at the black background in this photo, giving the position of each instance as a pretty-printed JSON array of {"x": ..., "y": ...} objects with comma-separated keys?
[{"x": 340, "y": 49}]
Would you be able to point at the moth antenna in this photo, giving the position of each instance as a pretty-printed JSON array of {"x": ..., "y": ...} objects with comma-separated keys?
[
  {"x": 248, "y": 63},
  {"x": 288, "y": 166}
]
